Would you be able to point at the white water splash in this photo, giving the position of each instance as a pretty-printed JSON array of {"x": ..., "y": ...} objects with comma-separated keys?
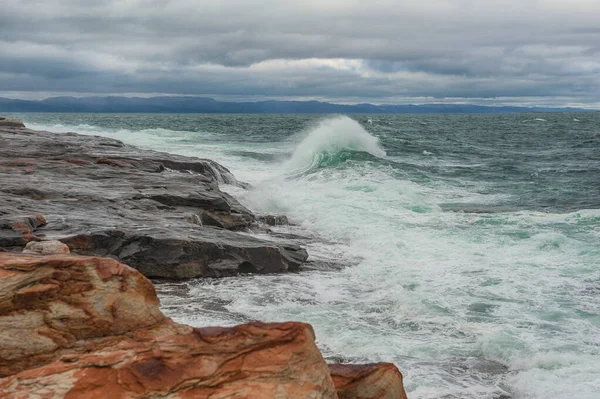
[
  {"x": 468, "y": 305},
  {"x": 332, "y": 136}
]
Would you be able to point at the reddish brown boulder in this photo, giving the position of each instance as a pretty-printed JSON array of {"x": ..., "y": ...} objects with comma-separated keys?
[
  {"x": 90, "y": 327},
  {"x": 250, "y": 361},
  {"x": 87, "y": 327},
  {"x": 367, "y": 381},
  {"x": 49, "y": 304}
]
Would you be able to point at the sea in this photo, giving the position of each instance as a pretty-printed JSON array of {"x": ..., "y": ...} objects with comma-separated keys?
[{"x": 463, "y": 248}]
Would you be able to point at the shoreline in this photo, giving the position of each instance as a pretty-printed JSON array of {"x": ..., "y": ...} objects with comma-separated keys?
[
  {"x": 92, "y": 196},
  {"x": 134, "y": 205}
]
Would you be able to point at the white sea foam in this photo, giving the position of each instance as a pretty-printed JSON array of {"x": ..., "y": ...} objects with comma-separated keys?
[
  {"x": 330, "y": 137},
  {"x": 189, "y": 143},
  {"x": 468, "y": 305},
  {"x": 430, "y": 282}
]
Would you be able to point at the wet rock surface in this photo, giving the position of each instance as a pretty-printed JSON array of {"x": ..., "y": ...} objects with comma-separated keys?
[
  {"x": 17, "y": 230},
  {"x": 89, "y": 327},
  {"x": 76, "y": 326},
  {"x": 49, "y": 304},
  {"x": 367, "y": 381},
  {"x": 274, "y": 220},
  {"x": 4, "y": 122},
  {"x": 161, "y": 213}
]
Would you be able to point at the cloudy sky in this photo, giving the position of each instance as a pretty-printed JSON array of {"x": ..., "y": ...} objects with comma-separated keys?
[{"x": 535, "y": 52}]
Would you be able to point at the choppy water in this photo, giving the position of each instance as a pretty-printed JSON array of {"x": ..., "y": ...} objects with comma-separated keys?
[{"x": 470, "y": 243}]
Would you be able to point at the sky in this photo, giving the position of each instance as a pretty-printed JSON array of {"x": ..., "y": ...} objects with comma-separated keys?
[{"x": 491, "y": 52}]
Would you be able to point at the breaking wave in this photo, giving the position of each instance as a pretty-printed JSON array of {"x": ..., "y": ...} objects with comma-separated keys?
[{"x": 332, "y": 143}]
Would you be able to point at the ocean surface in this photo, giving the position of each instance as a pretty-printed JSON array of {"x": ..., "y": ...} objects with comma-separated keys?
[{"x": 463, "y": 248}]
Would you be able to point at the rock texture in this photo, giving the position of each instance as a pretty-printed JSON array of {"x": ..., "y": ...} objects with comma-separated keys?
[
  {"x": 4, "y": 122},
  {"x": 86, "y": 327},
  {"x": 46, "y": 247},
  {"x": 274, "y": 220},
  {"x": 49, "y": 304},
  {"x": 367, "y": 381},
  {"x": 17, "y": 231},
  {"x": 210, "y": 252},
  {"x": 163, "y": 214},
  {"x": 74, "y": 326},
  {"x": 249, "y": 361}
]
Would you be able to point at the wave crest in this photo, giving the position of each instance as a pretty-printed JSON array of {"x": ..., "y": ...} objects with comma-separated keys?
[{"x": 332, "y": 142}]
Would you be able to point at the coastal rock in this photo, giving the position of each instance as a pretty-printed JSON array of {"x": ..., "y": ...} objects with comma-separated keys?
[
  {"x": 15, "y": 123},
  {"x": 90, "y": 327},
  {"x": 103, "y": 197},
  {"x": 226, "y": 220},
  {"x": 249, "y": 361},
  {"x": 208, "y": 252},
  {"x": 367, "y": 381},
  {"x": 49, "y": 304},
  {"x": 46, "y": 247},
  {"x": 216, "y": 172},
  {"x": 18, "y": 231},
  {"x": 274, "y": 220}
]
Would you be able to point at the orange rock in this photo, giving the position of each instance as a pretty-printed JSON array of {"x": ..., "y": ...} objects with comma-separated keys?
[
  {"x": 49, "y": 303},
  {"x": 367, "y": 381},
  {"x": 250, "y": 361},
  {"x": 86, "y": 327}
]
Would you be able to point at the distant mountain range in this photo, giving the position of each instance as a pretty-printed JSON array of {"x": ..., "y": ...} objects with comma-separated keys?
[{"x": 209, "y": 105}]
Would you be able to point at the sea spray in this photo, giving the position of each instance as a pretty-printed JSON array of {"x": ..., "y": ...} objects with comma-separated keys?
[
  {"x": 477, "y": 279},
  {"x": 330, "y": 139}
]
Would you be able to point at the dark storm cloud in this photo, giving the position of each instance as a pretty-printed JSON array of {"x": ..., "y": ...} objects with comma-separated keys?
[{"x": 344, "y": 50}]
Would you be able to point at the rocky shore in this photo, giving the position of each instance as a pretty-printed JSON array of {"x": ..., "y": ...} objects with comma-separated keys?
[
  {"x": 160, "y": 213},
  {"x": 76, "y": 322}
]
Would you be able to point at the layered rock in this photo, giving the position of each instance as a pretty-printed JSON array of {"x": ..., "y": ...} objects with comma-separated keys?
[
  {"x": 86, "y": 327},
  {"x": 14, "y": 123},
  {"x": 82, "y": 326},
  {"x": 162, "y": 213},
  {"x": 17, "y": 231},
  {"x": 250, "y": 361},
  {"x": 367, "y": 381},
  {"x": 210, "y": 252},
  {"x": 48, "y": 305}
]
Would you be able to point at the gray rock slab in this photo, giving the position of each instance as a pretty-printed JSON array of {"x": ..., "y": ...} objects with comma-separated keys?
[{"x": 163, "y": 214}]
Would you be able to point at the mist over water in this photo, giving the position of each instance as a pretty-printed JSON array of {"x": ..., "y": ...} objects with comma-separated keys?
[{"x": 464, "y": 248}]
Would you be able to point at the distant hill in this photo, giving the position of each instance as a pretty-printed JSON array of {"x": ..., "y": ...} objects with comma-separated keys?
[{"x": 209, "y": 105}]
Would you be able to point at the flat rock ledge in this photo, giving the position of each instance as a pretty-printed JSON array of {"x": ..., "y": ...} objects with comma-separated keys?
[
  {"x": 160, "y": 213},
  {"x": 89, "y": 327},
  {"x": 14, "y": 123}
]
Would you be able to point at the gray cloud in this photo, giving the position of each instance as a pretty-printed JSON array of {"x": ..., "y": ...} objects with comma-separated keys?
[{"x": 521, "y": 51}]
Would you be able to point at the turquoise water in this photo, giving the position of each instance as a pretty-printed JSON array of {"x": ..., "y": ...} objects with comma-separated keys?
[{"x": 464, "y": 248}]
